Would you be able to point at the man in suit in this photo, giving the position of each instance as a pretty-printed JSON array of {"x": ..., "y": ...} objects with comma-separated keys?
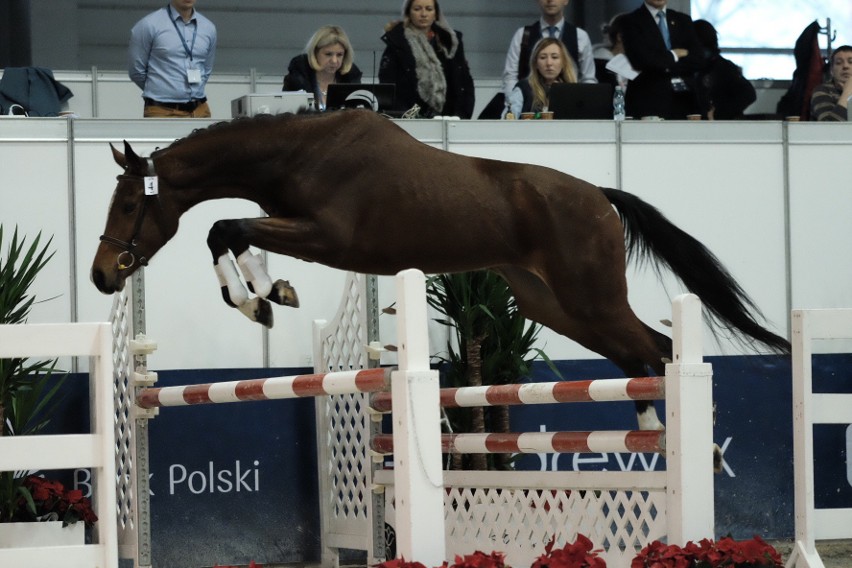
[
  {"x": 662, "y": 45},
  {"x": 551, "y": 24}
]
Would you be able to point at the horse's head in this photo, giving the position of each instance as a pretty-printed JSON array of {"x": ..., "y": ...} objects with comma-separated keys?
[{"x": 140, "y": 221}]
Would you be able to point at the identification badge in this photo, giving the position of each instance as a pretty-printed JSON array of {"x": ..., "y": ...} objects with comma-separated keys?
[
  {"x": 193, "y": 75},
  {"x": 151, "y": 185}
]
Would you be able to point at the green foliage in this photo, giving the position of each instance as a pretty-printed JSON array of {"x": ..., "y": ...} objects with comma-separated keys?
[
  {"x": 28, "y": 388},
  {"x": 480, "y": 306}
]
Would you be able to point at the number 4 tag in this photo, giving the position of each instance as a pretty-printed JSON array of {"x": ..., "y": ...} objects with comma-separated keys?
[{"x": 151, "y": 187}]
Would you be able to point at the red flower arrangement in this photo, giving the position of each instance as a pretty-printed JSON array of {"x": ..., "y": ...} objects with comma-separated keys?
[
  {"x": 726, "y": 552},
  {"x": 47, "y": 500},
  {"x": 476, "y": 560},
  {"x": 577, "y": 555}
]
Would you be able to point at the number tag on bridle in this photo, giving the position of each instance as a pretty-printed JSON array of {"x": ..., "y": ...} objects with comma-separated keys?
[{"x": 151, "y": 187}]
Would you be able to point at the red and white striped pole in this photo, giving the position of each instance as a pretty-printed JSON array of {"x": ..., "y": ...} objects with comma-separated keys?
[
  {"x": 297, "y": 386},
  {"x": 631, "y": 441},
  {"x": 599, "y": 390}
]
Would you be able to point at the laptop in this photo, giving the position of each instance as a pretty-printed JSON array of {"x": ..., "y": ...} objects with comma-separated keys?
[
  {"x": 581, "y": 101},
  {"x": 377, "y": 96},
  {"x": 271, "y": 103}
]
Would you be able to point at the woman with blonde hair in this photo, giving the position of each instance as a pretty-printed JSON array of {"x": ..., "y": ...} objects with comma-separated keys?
[
  {"x": 424, "y": 58},
  {"x": 549, "y": 63},
  {"x": 328, "y": 58}
]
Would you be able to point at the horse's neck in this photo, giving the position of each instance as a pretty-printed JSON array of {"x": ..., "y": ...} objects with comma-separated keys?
[{"x": 228, "y": 173}]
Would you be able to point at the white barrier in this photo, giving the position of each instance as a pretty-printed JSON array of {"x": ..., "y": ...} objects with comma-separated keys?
[
  {"x": 810, "y": 408},
  {"x": 522, "y": 510},
  {"x": 95, "y": 450}
]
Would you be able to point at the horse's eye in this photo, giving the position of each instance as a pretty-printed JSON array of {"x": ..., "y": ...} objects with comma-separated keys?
[{"x": 129, "y": 208}]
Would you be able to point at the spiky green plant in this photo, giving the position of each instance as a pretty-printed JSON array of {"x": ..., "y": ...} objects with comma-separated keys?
[
  {"x": 27, "y": 388},
  {"x": 496, "y": 345}
]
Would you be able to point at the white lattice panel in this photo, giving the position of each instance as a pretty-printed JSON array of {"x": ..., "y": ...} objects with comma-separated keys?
[
  {"x": 343, "y": 426},
  {"x": 520, "y": 522},
  {"x": 122, "y": 333}
]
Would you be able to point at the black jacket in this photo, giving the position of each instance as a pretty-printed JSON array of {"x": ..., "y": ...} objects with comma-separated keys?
[
  {"x": 723, "y": 88},
  {"x": 34, "y": 89},
  {"x": 651, "y": 93},
  {"x": 302, "y": 77},
  {"x": 398, "y": 67}
]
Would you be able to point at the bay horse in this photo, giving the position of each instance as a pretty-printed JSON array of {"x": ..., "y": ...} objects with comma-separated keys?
[{"x": 354, "y": 191}]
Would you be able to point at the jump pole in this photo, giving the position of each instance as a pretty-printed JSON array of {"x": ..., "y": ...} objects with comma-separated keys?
[{"x": 418, "y": 476}]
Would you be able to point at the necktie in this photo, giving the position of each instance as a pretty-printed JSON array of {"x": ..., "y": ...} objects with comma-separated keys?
[
  {"x": 551, "y": 31},
  {"x": 664, "y": 28}
]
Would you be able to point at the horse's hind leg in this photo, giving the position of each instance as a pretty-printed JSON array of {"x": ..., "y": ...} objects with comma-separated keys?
[{"x": 614, "y": 332}]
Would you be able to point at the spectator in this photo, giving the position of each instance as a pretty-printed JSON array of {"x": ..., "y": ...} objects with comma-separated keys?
[
  {"x": 550, "y": 64},
  {"x": 611, "y": 65},
  {"x": 662, "y": 46},
  {"x": 553, "y": 23},
  {"x": 724, "y": 92},
  {"x": 424, "y": 58},
  {"x": 171, "y": 58},
  {"x": 830, "y": 101},
  {"x": 327, "y": 59}
]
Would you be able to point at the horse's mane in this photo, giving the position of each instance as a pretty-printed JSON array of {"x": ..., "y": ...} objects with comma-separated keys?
[{"x": 239, "y": 124}]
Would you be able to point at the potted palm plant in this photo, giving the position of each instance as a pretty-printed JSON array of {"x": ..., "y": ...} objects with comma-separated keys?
[
  {"x": 493, "y": 344},
  {"x": 28, "y": 392}
]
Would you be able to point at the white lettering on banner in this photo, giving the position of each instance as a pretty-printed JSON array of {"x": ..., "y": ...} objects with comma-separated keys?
[
  {"x": 725, "y": 467},
  {"x": 211, "y": 480},
  {"x": 83, "y": 478},
  {"x": 849, "y": 454}
]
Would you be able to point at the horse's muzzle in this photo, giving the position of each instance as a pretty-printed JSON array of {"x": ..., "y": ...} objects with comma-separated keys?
[{"x": 103, "y": 285}]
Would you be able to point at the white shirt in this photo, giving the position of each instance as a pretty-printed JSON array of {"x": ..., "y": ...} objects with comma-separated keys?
[{"x": 586, "y": 65}]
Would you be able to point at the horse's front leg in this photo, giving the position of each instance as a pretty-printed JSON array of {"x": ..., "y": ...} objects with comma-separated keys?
[{"x": 230, "y": 235}]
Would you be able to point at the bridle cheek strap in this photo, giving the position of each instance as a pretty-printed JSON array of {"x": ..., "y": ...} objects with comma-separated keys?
[{"x": 129, "y": 247}]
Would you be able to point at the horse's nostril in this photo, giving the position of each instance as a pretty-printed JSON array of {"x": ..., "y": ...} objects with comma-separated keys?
[{"x": 98, "y": 279}]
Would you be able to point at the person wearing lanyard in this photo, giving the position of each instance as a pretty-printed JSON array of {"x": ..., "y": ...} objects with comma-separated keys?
[{"x": 171, "y": 57}]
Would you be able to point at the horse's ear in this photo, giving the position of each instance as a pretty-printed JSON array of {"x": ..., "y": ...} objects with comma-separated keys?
[
  {"x": 134, "y": 164},
  {"x": 118, "y": 157}
]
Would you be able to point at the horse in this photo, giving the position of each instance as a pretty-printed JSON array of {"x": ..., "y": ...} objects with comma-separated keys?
[{"x": 353, "y": 191}]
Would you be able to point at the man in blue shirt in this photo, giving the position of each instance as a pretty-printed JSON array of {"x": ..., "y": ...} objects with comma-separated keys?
[{"x": 171, "y": 57}]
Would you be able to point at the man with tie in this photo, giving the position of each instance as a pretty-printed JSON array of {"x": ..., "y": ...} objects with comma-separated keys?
[
  {"x": 663, "y": 47},
  {"x": 551, "y": 24}
]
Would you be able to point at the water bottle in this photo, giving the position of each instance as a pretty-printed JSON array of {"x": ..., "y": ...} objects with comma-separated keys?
[{"x": 618, "y": 103}]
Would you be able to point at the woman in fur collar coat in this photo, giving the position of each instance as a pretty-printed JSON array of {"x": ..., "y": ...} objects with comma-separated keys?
[{"x": 425, "y": 59}]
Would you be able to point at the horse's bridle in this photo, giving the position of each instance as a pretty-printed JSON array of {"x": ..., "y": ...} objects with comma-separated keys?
[{"x": 130, "y": 246}]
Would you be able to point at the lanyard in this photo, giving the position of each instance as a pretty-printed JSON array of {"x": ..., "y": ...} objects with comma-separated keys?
[{"x": 186, "y": 48}]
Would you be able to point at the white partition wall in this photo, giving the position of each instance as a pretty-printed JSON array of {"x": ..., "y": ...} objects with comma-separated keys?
[
  {"x": 35, "y": 195},
  {"x": 820, "y": 213},
  {"x": 723, "y": 183}
]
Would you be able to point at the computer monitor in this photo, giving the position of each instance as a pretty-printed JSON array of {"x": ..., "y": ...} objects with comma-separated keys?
[
  {"x": 378, "y": 96},
  {"x": 580, "y": 101}
]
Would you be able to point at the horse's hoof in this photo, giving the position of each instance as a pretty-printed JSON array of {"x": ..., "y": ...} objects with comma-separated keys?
[
  {"x": 259, "y": 310},
  {"x": 717, "y": 459},
  {"x": 283, "y": 294}
]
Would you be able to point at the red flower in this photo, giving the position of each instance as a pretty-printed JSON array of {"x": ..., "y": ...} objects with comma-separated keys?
[
  {"x": 399, "y": 563},
  {"x": 53, "y": 502},
  {"x": 577, "y": 555},
  {"x": 480, "y": 560},
  {"x": 706, "y": 554}
]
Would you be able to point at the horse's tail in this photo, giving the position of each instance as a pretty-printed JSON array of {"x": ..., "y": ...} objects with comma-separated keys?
[{"x": 650, "y": 236}]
